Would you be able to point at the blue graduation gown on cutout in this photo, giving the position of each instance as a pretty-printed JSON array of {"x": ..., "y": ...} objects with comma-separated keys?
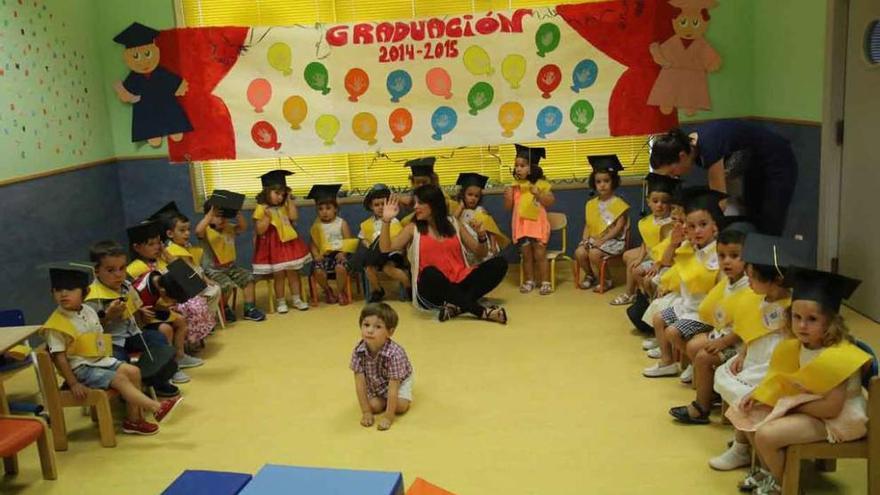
[{"x": 158, "y": 113}]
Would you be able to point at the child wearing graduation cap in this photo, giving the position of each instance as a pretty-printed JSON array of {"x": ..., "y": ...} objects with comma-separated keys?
[
  {"x": 278, "y": 250},
  {"x": 529, "y": 199},
  {"x": 474, "y": 216},
  {"x": 653, "y": 228},
  {"x": 332, "y": 243},
  {"x": 695, "y": 276},
  {"x": 605, "y": 220},
  {"x": 759, "y": 321},
  {"x": 217, "y": 236},
  {"x": 82, "y": 353},
  {"x": 149, "y": 255},
  {"x": 392, "y": 264},
  {"x": 421, "y": 174},
  {"x": 198, "y": 311},
  {"x": 813, "y": 389}
]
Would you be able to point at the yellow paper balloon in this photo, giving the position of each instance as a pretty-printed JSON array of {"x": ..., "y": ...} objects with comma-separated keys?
[
  {"x": 477, "y": 62},
  {"x": 326, "y": 127},
  {"x": 279, "y": 58},
  {"x": 510, "y": 116},
  {"x": 295, "y": 111},
  {"x": 513, "y": 68},
  {"x": 364, "y": 126}
]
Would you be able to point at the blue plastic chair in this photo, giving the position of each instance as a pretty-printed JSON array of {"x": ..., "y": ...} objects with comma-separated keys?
[
  {"x": 873, "y": 370},
  {"x": 15, "y": 318}
]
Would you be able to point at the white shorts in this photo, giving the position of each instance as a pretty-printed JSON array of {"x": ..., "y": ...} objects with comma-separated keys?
[{"x": 405, "y": 390}]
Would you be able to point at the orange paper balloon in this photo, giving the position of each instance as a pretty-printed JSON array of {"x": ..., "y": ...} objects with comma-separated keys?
[
  {"x": 295, "y": 111},
  {"x": 356, "y": 83},
  {"x": 400, "y": 122}
]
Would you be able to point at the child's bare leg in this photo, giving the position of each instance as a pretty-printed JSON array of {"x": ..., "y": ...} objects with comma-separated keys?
[
  {"x": 397, "y": 274},
  {"x": 321, "y": 277},
  {"x": 378, "y": 404},
  {"x": 180, "y": 330},
  {"x": 250, "y": 293},
  {"x": 695, "y": 345},
  {"x": 631, "y": 260},
  {"x": 168, "y": 331},
  {"x": 127, "y": 382},
  {"x": 704, "y": 378},
  {"x": 772, "y": 438},
  {"x": 540, "y": 254},
  {"x": 278, "y": 280},
  {"x": 663, "y": 344},
  {"x": 677, "y": 344},
  {"x": 293, "y": 282},
  {"x": 595, "y": 260},
  {"x": 528, "y": 262},
  {"x": 372, "y": 277},
  {"x": 341, "y": 278}
]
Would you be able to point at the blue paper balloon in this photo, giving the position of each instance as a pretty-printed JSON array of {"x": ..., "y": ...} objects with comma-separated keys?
[
  {"x": 443, "y": 121},
  {"x": 584, "y": 75},
  {"x": 549, "y": 120},
  {"x": 398, "y": 83}
]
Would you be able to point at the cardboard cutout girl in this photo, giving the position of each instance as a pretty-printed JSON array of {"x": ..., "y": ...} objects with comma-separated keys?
[{"x": 685, "y": 59}]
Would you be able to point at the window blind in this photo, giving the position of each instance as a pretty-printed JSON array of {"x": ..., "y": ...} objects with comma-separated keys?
[{"x": 359, "y": 171}]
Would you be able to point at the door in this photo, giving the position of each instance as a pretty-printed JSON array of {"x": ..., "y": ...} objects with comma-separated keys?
[{"x": 859, "y": 247}]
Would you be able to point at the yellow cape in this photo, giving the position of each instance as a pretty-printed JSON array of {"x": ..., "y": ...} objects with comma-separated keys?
[
  {"x": 279, "y": 220},
  {"x": 100, "y": 292},
  {"x": 718, "y": 310},
  {"x": 368, "y": 230},
  {"x": 89, "y": 345},
  {"x": 528, "y": 206},
  {"x": 323, "y": 244},
  {"x": 595, "y": 224},
  {"x": 748, "y": 316},
  {"x": 223, "y": 251}
]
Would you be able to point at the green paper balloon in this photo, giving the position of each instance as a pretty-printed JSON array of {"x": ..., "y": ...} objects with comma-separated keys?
[
  {"x": 581, "y": 115},
  {"x": 480, "y": 96},
  {"x": 547, "y": 38},
  {"x": 317, "y": 78}
]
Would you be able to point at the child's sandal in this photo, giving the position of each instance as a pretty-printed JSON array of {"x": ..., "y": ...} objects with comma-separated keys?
[
  {"x": 608, "y": 286},
  {"x": 330, "y": 297},
  {"x": 527, "y": 287},
  {"x": 587, "y": 282},
  {"x": 546, "y": 288},
  {"x": 623, "y": 300},
  {"x": 496, "y": 314},
  {"x": 682, "y": 415}
]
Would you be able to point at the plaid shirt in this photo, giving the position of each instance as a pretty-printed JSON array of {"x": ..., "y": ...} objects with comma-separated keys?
[{"x": 390, "y": 363}]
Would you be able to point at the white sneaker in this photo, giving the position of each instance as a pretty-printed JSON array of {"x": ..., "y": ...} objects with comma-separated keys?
[
  {"x": 735, "y": 457},
  {"x": 281, "y": 306},
  {"x": 300, "y": 304},
  {"x": 687, "y": 375},
  {"x": 649, "y": 344},
  {"x": 188, "y": 361},
  {"x": 180, "y": 377},
  {"x": 654, "y": 353},
  {"x": 658, "y": 371}
]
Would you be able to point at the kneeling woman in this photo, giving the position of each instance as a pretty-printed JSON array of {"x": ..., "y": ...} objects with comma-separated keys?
[{"x": 442, "y": 278}]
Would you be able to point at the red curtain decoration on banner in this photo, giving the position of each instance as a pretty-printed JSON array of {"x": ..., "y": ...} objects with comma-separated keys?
[
  {"x": 623, "y": 30},
  {"x": 203, "y": 57}
]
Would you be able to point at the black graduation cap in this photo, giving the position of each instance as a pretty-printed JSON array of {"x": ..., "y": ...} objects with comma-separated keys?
[
  {"x": 275, "y": 177},
  {"x": 468, "y": 179},
  {"x": 228, "y": 202},
  {"x": 144, "y": 231},
  {"x": 702, "y": 198},
  {"x": 168, "y": 210},
  {"x": 826, "y": 288},
  {"x": 69, "y": 275},
  {"x": 324, "y": 192},
  {"x": 422, "y": 167},
  {"x": 181, "y": 283},
  {"x": 662, "y": 183},
  {"x": 781, "y": 252},
  {"x": 605, "y": 163},
  {"x": 377, "y": 191},
  {"x": 533, "y": 155},
  {"x": 136, "y": 35}
]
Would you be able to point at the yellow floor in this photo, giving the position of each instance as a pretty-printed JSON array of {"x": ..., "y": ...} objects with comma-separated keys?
[{"x": 552, "y": 403}]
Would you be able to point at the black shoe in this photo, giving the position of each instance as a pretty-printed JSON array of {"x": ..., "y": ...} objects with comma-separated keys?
[
  {"x": 166, "y": 390},
  {"x": 229, "y": 315},
  {"x": 377, "y": 296},
  {"x": 406, "y": 294}
]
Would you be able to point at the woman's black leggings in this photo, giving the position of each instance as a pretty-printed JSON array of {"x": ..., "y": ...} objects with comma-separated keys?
[{"x": 437, "y": 290}]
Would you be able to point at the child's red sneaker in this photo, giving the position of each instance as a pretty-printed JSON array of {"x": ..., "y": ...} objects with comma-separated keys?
[
  {"x": 139, "y": 427},
  {"x": 166, "y": 407}
]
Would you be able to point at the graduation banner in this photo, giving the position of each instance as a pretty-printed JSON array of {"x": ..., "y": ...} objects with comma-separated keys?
[{"x": 555, "y": 73}]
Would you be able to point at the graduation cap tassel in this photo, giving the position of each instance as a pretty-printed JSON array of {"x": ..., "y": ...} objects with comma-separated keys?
[{"x": 776, "y": 262}]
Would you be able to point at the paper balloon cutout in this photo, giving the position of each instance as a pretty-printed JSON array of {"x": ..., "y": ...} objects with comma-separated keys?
[
  {"x": 510, "y": 116},
  {"x": 513, "y": 68},
  {"x": 439, "y": 82},
  {"x": 364, "y": 126},
  {"x": 356, "y": 83},
  {"x": 480, "y": 96},
  {"x": 279, "y": 58},
  {"x": 316, "y": 77},
  {"x": 547, "y": 38},
  {"x": 549, "y": 78},
  {"x": 443, "y": 121},
  {"x": 477, "y": 62},
  {"x": 398, "y": 83},
  {"x": 295, "y": 111},
  {"x": 265, "y": 136},
  {"x": 400, "y": 122},
  {"x": 581, "y": 115},
  {"x": 549, "y": 120},
  {"x": 584, "y": 75},
  {"x": 326, "y": 127},
  {"x": 259, "y": 93}
]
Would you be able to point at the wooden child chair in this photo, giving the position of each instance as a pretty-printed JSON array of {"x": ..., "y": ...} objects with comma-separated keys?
[
  {"x": 57, "y": 399},
  {"x": 16, "y": 433},
  {"x": 603, "y": 266}
]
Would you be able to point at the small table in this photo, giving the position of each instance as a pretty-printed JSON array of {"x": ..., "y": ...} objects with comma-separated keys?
[{"x": 10, "y": 336}]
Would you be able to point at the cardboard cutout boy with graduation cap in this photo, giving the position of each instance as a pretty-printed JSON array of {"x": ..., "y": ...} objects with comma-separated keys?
[{"x": 153, "y": 90}]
